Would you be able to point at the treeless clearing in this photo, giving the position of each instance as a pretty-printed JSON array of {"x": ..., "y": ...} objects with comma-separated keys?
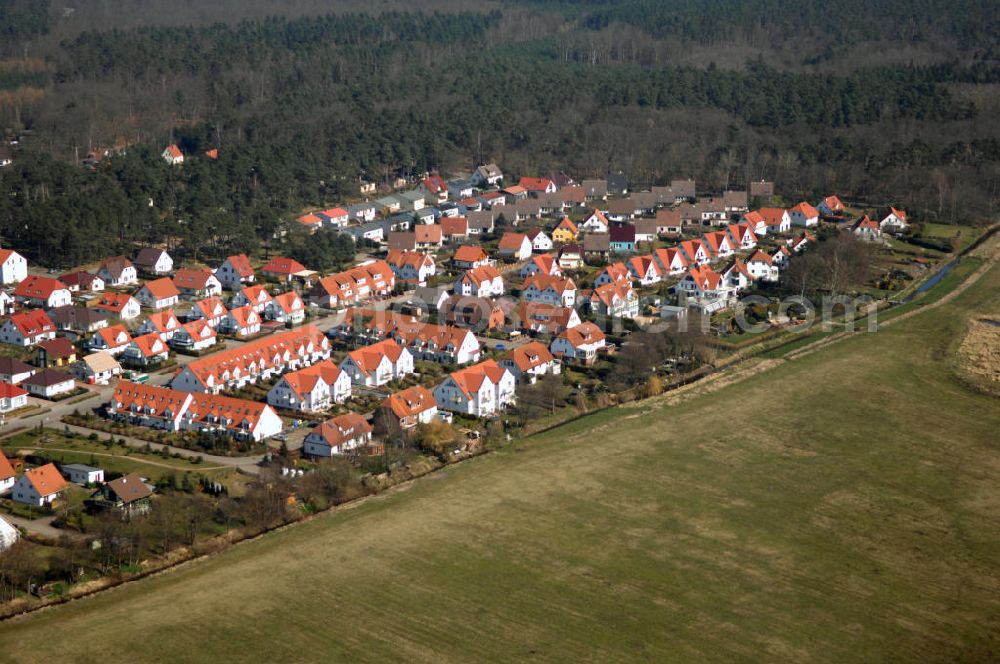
[{"x": 839, "y": 507}]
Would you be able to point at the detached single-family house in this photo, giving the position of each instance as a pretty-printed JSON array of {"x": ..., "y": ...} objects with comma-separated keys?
[
  {"x": 13, "y": 371},
  {"x": 12, "y": 398},
  {"x": 550, "y": 290},
  {"x": 39, "y": 486},
  {"x": 614, "y": 301},
  {"x": 514, "y": 247},
  {"x": 378, "y": 363},
  {"x": 670, "y": 261},
  {"x": 173, "y": 155},
  {"x": 595, "y": 223},
  {"x": 118, "y": 271},
  {"x": 411, "y": 407},
  {"x": 762, "y": 267},
  {"x": 210, "y": 309},
  {"x": 565, "y": 231},
  {"x": 242, "y": 322},
  {"x": 195, "y": 335},
  {"x": 146, "y": 350},
  {"x": 541, "y": 264},
  {"x": 113, "y": 339},
  {"x": 154, "y": 261},
  {"x": 867, "y": 229},
  {"x": 286, "y": 308},
  {"x": 530, "y": 361},
  {"x": 644, "y": 270},
  {"x": 411, "y": 267},
  {"x": 44, "y": 292},
  {"x": 82, "y": 281},
  {"x": 540, "y": 242},
  {"x": 469, "y": 256},
  {"x": 96, "y": 368},
  {"x": 285, "y": 270},
  {"x": 487, "y": 175},
  {"x": 312, "y": 389},
  {"x": 58, "y": 352},
  {"x": 570, "y": 257},
  {"x": 27, "y": 328},
  {"x": 197, "y": 283},
  {"x": 254, "y": 296},
  {"x": 163, "y": 323},
  {"x": 804, "y": 215},
  {"x": 338, "y": 435},
  {"x": 235, "y": 272},
  {"x": 482, "y": 281},
  {"x": 128, "y": 494},
  {"x": 158, "y": 294},
  {"x": 893, "y": 220},
  {"x": 49, "y": 383},
  {"x": 831, "y": 206},
  {"x": 119, "y": 305},
  {"x": 481, "y": 390},
  {"x": 579, "y": 344},
  {"x": 777, "y": 220},
  {"x": 13, "y": 267}
]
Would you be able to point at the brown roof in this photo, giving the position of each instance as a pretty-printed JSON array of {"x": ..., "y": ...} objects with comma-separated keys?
[{"x": 129, "y": 488}]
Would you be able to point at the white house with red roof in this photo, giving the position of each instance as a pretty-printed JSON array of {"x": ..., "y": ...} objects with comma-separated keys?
[
  {"x": 670, "y": 260},
  {"x": 550, "y": 290},
  {"x": 163, "y": 323},
  {"x": 284, "y": 269},
  {"x": 119, "y": 305},
  {"x": 481, "y": 390},
  {"x": 195, "y": 335},
  {"x": 436, "y": 189},
  {"x": 286, "y": 308},
  {"x": 46, "y": 292},
  {"x": 538, "y": 185},
  {"x": 173, "y": 155},
  {"x": 210, "y": 309},
  {"x": 616, "y": 273},
  {"x": 762, "y": 267},
  {"x": 311, "y": 389},
  {"x": 255, "y": 296},
  {"x": 514, "y": 246},
  {"x": 741, "y": 236},
  {"x": 530, "y": 361},
  {"x": 780, "y": 256},
  {"x": 597, "y": 222},
  {"x": 718, "y": 244},
  {"x": 338, "y": 435},
  {"x": 39, "y": 486},
  {"x": 158, "y": 294},
  {"x": 146, "y": 350},
  {"x": 411, "y": 267},
  {"x": 469, "y": 256},
  {"x": 235, "y": 272},
  {"x": 336, "y": 217},
  {"x": 378, "y": 363},
  {"x": 541, "y": 264},
  {"x": 580, "y": 343},
  {"x": 755, "y": 220},
  {"x": 893, "y": 220},
  {"x": 707, "y": 290},
  {"x": 483, "y": 281},
  {"x": 13, "y": 267},
  {"x": 776, "y": 220},
  {"x": 867, "y": 229},
  {"x": 242, "y": 321},
  {"x": 12, "y": 397},
  {"x": 614, "y": 301},
  {"x": 27, "y": 328},
  {"x": 7, "y": 474},
  {"x": 197, "y": 283},
  {"x": 113, "y": 339},
  {"x": 644, "y": 270},
  {"x": 804, "y": 215},
  {"x": 694, "y": 252}
]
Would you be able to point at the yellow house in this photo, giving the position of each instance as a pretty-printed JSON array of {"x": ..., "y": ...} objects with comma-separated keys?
[{"x": 565, "y": 232}]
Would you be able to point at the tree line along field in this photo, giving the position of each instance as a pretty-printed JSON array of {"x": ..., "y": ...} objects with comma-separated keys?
[{"x": 837, "y": 507}]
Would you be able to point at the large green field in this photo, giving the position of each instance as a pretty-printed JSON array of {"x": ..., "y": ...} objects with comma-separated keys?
[{"x": 842, "y": 506}]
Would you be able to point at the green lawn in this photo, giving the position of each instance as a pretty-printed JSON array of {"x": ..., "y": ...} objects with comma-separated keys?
[
  {"x": 839, "y": 507},
  {"x": 117, "y": 459}
]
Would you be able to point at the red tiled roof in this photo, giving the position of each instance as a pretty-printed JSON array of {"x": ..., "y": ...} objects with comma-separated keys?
[
  {"x": 161, "y": 289},
  {"x": 38, "y": 288},
  {"x": 46, "y": 479},
  {"x": 283, "y": 266}
]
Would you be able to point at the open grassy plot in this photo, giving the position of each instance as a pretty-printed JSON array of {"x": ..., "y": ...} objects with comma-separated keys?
[{"x": 841, "y": 506}]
